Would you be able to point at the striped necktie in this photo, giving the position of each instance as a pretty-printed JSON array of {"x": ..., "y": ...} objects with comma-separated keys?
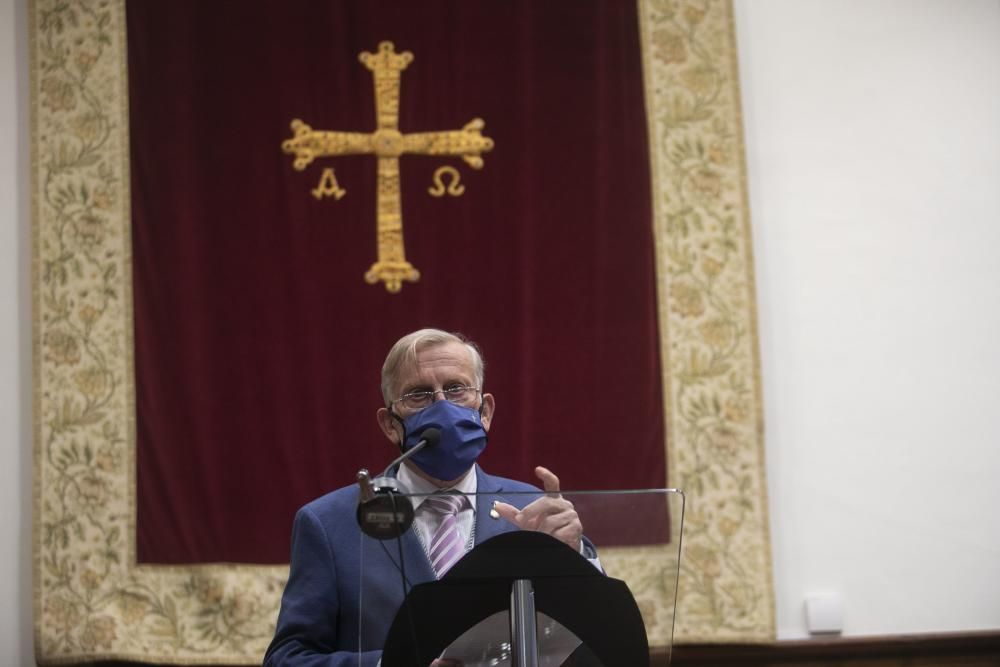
[{"x": 448, "y": 543}]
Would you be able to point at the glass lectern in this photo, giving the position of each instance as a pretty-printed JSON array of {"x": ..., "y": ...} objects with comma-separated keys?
[{"x": 522, "y": 598}]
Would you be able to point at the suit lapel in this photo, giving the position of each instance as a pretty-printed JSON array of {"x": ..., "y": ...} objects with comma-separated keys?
[
  {"x": 488, "y": 489},
  {"x": 418, "y": 567}
]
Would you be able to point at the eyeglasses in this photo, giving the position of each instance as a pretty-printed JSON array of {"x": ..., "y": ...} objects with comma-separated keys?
[{"x": 418, "y": 400}]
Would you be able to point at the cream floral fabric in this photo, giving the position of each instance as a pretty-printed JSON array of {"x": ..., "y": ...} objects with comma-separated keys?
[
  {"x": 92, "y": 601},
  {"x": 708, "y": 320}
]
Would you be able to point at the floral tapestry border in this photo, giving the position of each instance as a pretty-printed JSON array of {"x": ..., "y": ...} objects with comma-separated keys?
[
  {"x": 93, "y": 602},
  {"x": 708, "y": 328}
]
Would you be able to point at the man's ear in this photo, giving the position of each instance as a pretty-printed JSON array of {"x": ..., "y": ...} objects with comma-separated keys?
[
  {"x": 389, "y": 426},
  {"x": 489, "y": 405}
]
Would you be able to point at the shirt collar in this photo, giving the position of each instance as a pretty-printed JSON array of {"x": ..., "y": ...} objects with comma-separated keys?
[{"x": 415, "y": 484}]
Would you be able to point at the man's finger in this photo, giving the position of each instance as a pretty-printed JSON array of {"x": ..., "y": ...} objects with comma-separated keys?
[
  {"x": 549, "y": 480},
  {"x": 507, "y": 511},
  {"x": 537, "y": 510},
  {"x": 550, "y": 523},
  {"x": 529, "y": 517}
]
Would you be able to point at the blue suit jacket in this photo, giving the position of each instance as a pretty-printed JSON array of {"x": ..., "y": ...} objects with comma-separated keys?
[{"x": 321, "y": 614}]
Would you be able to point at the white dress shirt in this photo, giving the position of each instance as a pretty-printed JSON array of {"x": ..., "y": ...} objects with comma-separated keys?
[{"x": 425, "y": 521}]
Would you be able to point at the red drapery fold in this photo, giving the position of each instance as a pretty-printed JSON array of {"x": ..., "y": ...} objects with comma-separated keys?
[{"x": 258, "y": 344}]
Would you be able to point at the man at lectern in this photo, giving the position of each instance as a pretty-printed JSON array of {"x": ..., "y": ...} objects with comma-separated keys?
[{"x": 430, "y": 379}]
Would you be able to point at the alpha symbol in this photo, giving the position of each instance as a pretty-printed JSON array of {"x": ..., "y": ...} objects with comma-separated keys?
[{"x": 328, "y": 186}]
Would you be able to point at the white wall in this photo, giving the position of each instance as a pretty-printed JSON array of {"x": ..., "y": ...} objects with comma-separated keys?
[
  {"x": 873, "y": 144},
  {"x": 15, "y": 341},
  {"x": 873, "y": 148}
]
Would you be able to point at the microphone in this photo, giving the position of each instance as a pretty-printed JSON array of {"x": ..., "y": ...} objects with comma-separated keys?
[
  {"x": 382, "y": 513},
  {"x": 430, "y": 437}
]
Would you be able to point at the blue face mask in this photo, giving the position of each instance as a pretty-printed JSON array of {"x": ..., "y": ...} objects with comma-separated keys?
[{"x": 463, "y": 439}]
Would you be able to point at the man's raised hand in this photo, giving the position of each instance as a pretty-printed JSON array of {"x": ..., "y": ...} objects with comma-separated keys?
[{"x": 551, "y": 514}]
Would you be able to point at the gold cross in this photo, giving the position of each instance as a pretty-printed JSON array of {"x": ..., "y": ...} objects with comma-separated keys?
[{"x": 388, "y": 143}]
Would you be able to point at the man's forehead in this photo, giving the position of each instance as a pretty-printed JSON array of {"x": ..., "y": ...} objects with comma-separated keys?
[{"x": 450, "y": 355}]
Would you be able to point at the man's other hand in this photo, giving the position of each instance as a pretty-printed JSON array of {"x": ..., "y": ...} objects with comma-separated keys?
[{"x": 551, "y": 514}]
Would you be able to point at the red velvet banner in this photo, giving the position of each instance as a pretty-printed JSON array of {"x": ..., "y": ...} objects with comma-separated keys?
[{"x": 258, "y": 343}]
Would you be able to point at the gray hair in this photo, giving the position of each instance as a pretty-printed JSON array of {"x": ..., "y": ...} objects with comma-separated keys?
[{"x": 405, "y": 352}]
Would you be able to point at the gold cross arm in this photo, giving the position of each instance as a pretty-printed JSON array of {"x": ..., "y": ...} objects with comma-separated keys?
[
  {"x": 468, "y": 143},
  {"x": 307, "y": 144}
]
